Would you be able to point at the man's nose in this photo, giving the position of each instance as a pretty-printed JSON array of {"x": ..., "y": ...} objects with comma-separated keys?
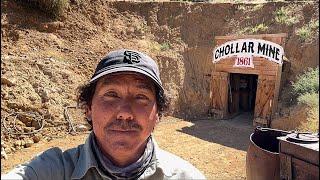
[{"x": 125, "y": 110}]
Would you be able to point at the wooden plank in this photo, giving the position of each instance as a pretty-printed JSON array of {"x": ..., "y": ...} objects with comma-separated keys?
[
  {"x": 264, "y": 97},
  {"x": 307, "y": 152},
  {"x": 219, "y": 89},
  {"x": 302, "y": 170},
  {"x": 276, "y": 90},
  {"x": 285, "y": 167},
  {"x": 227, "y": 67},
  {"x": 246, "y": 71}
]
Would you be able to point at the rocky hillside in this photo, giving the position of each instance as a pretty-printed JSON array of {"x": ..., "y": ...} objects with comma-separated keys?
[{"x": 43, "y": 60}]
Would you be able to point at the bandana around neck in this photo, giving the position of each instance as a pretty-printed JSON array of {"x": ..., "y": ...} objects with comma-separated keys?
[{"x": 132, "y": 171}]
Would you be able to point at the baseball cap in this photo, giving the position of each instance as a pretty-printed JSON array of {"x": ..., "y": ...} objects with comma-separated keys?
[{"x": 125, "y": 60}]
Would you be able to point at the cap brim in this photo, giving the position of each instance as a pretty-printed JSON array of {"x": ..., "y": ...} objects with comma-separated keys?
[{"x": 127, "y": 69}]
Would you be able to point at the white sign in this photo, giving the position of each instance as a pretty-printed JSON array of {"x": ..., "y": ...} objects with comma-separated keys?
[
  {"x": 244, "y": 61},
  {"x": 254, "y": 47}
]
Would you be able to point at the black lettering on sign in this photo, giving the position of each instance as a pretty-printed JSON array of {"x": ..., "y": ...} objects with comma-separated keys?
[
  {"x": 277, "y": 53},
  {"x": 261, "y": 48},
  {"x": 244, "y": 47},
  {"x": 250, "y": 47},
  {"x": 237, "y": 50},
  {"x": 216, "y": 55},
  {"x": 267, "y": 50},
  {"x": 221, "y": 51},
  {"x": 227, "y": 50},
  {"x": 272, "y": 51},
  {"x": 232, "y": 50}
]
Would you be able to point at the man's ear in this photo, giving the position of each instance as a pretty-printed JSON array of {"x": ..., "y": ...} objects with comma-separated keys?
[
  {"x": 157, "y": 118},
  {"x": 88, "y": 113}
]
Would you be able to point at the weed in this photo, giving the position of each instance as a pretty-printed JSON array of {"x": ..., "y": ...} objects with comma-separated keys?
[
  {"x": 165, "y": 46},
  {"x": 285, "y": 15},
  {"x": 304, "y": 33},
  {"x": 258, "y": 28},
  {"x": 309, "y": 31},
  {"x": 314, "y": 24},
  {"x": 257, "y": 7},
  {"x": 242, "y": 8}
]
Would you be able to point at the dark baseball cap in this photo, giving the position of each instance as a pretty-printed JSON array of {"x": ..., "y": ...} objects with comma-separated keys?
[{"x": 125, "y": 60}]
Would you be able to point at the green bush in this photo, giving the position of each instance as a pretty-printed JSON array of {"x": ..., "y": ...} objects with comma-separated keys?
[
  {"x": 307, "y": 90},
  {"x": 308, "y": 82}
]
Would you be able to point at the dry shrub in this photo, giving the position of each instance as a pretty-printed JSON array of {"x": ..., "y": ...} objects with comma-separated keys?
[
  {"x": 312, "y": 101},
  {"x": 53, "y": 8},
  {"x": 307, "y": 89}
]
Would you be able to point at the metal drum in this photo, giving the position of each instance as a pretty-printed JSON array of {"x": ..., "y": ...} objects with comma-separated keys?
[{"x": 262, "y": 160}]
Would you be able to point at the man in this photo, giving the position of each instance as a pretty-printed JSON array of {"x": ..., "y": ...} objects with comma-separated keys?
[{"x": 123, "y": 101}]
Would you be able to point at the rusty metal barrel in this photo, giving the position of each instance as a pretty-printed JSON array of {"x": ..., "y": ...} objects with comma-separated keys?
[{"x": 262, "y": 160}]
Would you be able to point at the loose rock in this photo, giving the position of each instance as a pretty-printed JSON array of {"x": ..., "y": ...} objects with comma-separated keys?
[
  {"x": 81, "y": 128},
  {"x": 7, "y": 81},
  {"x": 28, "y": 143},
  {"x": 37, "y": 138}
]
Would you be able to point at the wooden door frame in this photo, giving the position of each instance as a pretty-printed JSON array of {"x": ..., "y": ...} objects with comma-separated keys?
[{"x": 219, "y": 96}]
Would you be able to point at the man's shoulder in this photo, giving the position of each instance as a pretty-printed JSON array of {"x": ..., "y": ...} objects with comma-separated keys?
[
  {"x": 56, "y": 158},
  {"x": 53, "y": 163},
  {"x": 173, "y": 165},
  {"x": 56, "y": 153}
]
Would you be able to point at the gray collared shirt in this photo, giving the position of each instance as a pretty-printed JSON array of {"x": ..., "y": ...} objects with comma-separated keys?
[{"x": 81, "y": 163}]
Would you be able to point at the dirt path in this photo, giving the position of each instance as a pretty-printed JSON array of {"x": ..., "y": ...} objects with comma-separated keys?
[{"x": 217, "y": 148}]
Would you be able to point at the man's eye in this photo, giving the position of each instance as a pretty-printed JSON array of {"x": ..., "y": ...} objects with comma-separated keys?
[
  {"x": 111, "y": 94},
  {"x": 141, "y": 96}
]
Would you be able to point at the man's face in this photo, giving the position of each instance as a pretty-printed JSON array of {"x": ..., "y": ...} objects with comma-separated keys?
[{"x": 123, "y": 112}]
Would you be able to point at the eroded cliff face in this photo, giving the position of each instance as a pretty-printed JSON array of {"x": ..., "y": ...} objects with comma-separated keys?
[{"x": 191, "y": 27}]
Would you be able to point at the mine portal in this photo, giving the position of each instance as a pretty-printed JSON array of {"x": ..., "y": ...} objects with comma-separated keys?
[{"x": 254, "y": 88}]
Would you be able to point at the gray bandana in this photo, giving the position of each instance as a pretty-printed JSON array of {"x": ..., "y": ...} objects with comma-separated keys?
[{"x": 133, "y": 171}]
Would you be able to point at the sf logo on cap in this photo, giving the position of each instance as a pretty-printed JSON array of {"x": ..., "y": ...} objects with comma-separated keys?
[{"x": 131, "y": 57}]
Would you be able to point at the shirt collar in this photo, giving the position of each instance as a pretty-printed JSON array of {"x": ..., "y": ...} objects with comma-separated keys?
[{"x": 87, "y": 160}]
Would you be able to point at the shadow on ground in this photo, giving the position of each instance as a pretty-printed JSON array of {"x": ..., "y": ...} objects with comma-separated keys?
[{"x": 232, "y": 133}]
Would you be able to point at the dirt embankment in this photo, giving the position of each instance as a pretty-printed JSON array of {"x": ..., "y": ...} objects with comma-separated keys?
[{"x": 44, "y": 60}]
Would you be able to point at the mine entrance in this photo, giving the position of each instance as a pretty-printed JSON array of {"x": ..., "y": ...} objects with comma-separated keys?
[
  {"x": 243, "y": 88},
  {"x": 242, "y": 93}
]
